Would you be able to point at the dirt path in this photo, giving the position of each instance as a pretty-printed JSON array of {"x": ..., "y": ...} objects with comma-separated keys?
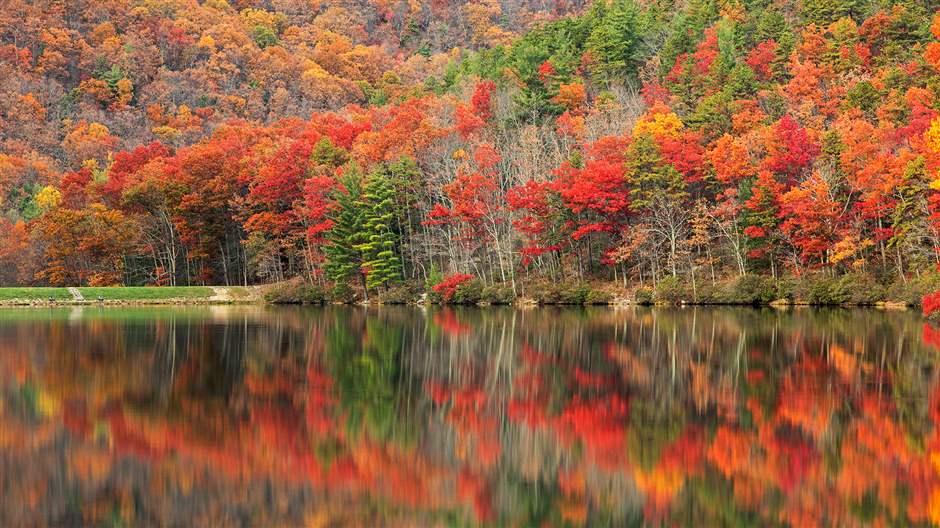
[
  {"x": 226, "y": 294},
  {"x": 220, "y": 294}
]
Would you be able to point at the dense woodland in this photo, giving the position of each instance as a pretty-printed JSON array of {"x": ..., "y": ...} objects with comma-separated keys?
[{"x": 362, "y": 145}]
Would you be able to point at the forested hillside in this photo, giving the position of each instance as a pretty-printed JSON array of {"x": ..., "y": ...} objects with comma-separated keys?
[{"x": 480, "y": 145}]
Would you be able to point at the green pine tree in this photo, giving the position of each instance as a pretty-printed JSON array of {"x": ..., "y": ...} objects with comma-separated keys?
[
  {"x": 406, "y": 178},
  {"x": 614, "y": 42},
  {"x": 380, "y": 239},
  {"x": 343, "y": 257},
  {"x": 650, "y": 177},
  {"x": 906, "y": 219},
  {"x": 824, "y": 12}
]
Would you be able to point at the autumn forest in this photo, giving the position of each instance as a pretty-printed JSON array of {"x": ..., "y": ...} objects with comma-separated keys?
[
  {"x": 474, "y": 150},
  {"x": 442, "y": 154}
]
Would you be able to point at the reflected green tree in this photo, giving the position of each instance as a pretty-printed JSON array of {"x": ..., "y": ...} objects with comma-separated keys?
[{"x": 365, "y": 355}]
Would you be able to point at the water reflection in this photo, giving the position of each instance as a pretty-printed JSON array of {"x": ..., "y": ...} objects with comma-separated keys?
[{"x": 246, "y": 416}]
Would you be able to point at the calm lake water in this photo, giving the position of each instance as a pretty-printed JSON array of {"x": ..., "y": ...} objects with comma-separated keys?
[{"x": 253, "y": 416}]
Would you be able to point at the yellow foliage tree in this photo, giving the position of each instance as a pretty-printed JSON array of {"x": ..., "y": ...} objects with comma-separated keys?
[
  {"x": 658, "y": 122},
  {"x": 48, "y": 198}
]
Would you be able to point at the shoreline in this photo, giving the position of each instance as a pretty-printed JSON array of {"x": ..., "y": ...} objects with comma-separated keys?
[
  {"x": 519, "y": 303},
  {"x": 756, "y": 292}
]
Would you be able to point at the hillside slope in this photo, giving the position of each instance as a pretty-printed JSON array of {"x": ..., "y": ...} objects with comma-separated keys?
[{"x": 636, "y": 142}]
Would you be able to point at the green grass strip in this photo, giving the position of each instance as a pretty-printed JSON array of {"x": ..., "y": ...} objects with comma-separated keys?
[
  {"x": 35, "y": 294},
  {"x": 146, "y": 293}
]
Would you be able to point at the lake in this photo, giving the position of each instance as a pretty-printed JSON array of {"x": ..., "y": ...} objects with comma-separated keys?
[{"x": 398, "y": 416}]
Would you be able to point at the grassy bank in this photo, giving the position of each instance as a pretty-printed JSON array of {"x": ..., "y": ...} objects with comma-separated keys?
[
  {"x": 35, "y": 294},
  {"x": 147, "y": 293},
  {"x": 129, "y": 295}
]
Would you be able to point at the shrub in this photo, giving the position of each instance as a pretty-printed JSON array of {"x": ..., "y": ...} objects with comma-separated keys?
[
  {"x": 913, "y": 290},
  {"x": 567, "y": 293},
  {"x": 447, "y": 288},
  {"x": 851, "y": 288},
  {"x": 786, "y": 288},
  {"x": 743, "y": 290},
  {"x": 468, "y": 292},
  {"x": 670, "y": 290},
  {"x": 826, "y": 290},
  {"x": 643, "y": 296},
  {"x": 560, "y": 293},
  {"x": 498, "y": 294},
  {"x": 343, "y": 293},
  {"x": 860, "y": 288},
  {"x": 598, "y": 297},
  {"x": 295, "y": 292},
  {"x": 930, "y": 304},
  {"x": 754, "y": 289},
  {"x": 708, "y": 293},
  {"x": 571, "y": 294},
  {"x": 400, "y": 294},
  {"x": 434, "y": 277}
]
